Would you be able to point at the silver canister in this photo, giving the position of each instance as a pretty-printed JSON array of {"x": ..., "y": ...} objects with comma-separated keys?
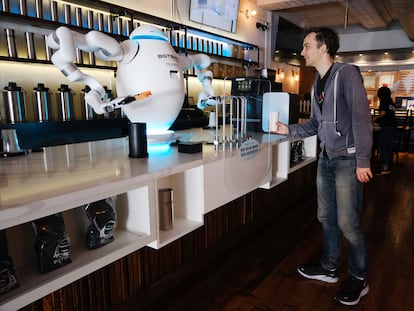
[
  {"x": 23, "y": 7},
  {"x": 90, "y": 19},
  {"x": 31, "y": 50},
  {"x": 49, "y": 51},
  {"x": 119, "y": 25},
  {"x": 5, "y": 5},
  {"x": 166, "y": 208},
  {"x": 39, "y": 9},
  {"x": 101, "y": 25},
  {"x": 129, "y": 27},
  {"x": 10, "y": 141},
  {"x": 15, "y": 103},
  {"x": 67, "y": 13},
  {"x": 11, "y": 42},
  {"x": 110, "y": 20},
  {"x": 78, "y": 15},
  {"x": 79, "y": 56},
  {"x": 65, "y": 102},
  {"x": 42, "y": 103},
  {"x": 54, "y": 11}
]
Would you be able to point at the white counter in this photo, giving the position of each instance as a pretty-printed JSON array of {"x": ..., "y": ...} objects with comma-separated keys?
[{"x": 65, "y": 178}]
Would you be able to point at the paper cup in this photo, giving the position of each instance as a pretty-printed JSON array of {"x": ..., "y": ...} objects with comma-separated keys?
[{"x": 273, "y": 119}]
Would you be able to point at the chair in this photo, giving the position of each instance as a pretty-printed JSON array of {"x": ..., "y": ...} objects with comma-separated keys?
[
  {"x": 404, "y": 120},
  {"x": 397, "y": 145}
]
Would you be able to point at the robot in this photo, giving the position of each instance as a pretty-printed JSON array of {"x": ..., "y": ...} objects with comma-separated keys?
[{"x": 150, "y": 82}]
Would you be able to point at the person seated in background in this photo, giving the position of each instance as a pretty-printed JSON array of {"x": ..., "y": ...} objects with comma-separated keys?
[{"x": 385, "y": 134}]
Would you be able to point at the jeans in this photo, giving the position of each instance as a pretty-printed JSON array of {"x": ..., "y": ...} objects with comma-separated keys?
[{"x": 339, "y": 211}]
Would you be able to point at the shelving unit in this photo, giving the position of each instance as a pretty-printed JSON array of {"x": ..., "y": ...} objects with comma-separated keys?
[
  {"x": 281, "y": 165},
  {"x": 117, "y": 22},
  {"x": 187, "y": 190},
  {"x": 310, "y": 144},
  {"x": 134, "y": 229}
]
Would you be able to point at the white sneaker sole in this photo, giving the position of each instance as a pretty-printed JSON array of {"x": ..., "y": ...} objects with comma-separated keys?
[
  {"x": 353, "y": 303},
  {"x": 323, "y": 278}
]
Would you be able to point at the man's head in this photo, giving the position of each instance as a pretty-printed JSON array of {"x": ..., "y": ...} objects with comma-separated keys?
[{"x": 319, "y": 43}]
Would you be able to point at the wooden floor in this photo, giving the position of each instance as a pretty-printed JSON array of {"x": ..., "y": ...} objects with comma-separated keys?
[{"x": 253, "y": 278}]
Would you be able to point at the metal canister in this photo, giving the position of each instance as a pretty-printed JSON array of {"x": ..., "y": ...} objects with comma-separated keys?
[
  {"x": 39, "y": 9},
  {"x": 42, "y": 103},
  {"x": 15, "y": 103},
  {"x": 54, "y": 11},
  {"x": 5, "y": 5},
  {"x": 65, "y": 102},
  {"x": 11, "y": 42},
  {"x": 31, "y": 49},
  {"x": 166, "y": 208}
]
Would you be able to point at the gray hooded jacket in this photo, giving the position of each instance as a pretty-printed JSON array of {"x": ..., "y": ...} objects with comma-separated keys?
[{"x": 344, "y": 129}]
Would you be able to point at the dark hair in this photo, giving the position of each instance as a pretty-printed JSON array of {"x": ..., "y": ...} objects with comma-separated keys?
[
  {"x": 384, "y": 92},
  {"x": 327, "y": 36}
]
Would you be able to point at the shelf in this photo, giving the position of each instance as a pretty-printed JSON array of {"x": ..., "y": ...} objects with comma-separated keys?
[
  {"x": 128, "y": 21},
  {"x": 34, "y": 286},
  {"x": 281, "y": 166},
  {"x": 187, "y": 189},
  {"x": 134, "y": 229},
  {"x": 46, "y": 62}
]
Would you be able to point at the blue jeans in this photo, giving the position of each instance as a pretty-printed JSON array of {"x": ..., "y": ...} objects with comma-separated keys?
[{"x": 339, "y": 211}]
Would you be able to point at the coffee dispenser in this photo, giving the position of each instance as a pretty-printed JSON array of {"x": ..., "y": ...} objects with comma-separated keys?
[
  {"x": 15, "y": 103},
  {"x": 41, "y": 103},
  {"x": 65, "y": 102}
]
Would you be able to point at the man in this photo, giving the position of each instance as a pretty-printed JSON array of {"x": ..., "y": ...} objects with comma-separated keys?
[{"x": 340, "y": 116}]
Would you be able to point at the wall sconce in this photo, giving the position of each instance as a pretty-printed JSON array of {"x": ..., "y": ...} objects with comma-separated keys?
[
  {"x": 295, "y": 76},
  {"x": 261, "y": 26},
  {"x": 248, "y": 13},
  {"x": 280, "y": 74}
]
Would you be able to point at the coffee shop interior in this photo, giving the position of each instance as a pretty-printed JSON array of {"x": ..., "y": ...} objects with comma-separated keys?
[{"x": 176, "y": 195}]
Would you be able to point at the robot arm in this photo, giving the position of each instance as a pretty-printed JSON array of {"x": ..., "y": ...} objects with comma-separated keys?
[
  {"x": 66, "y": 41},
  {"x": 200, "y": 62}
]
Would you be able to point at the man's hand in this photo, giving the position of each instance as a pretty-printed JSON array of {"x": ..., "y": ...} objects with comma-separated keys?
[
  {"x": 364, "y": 174},
  {"x": 281, "y": 129}
]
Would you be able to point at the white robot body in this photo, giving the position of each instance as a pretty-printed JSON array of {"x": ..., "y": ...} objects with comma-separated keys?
[
  {"x": 150, "y": 82},
  {"x": 164, "y": 77}
]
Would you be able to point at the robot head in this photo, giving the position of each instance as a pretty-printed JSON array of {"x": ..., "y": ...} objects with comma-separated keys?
[{"x": 148, "y": 32}]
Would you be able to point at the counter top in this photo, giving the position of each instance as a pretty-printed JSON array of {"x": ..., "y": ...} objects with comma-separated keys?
[{"x": 61, "y": 174}]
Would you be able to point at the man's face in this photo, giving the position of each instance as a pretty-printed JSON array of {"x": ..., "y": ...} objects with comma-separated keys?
[{"x": 311, "y": 52}]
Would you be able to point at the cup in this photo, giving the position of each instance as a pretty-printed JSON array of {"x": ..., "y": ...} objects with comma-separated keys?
[
  {"x": 212, "y": 119},
  {"x": 137, "y": 140},
  {"x": 273, "y": 119},
  {"x": 10, "y": 141}
]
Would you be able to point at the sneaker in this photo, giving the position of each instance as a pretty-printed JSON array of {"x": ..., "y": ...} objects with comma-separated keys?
[
  {"x": 352, "y": 291},
  {"x": 317, "y": 272},
  {"x": 382, "y": 173}
]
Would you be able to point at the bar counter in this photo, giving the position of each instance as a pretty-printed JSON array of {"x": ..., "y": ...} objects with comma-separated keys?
[{"x": 65, "y": 178}]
